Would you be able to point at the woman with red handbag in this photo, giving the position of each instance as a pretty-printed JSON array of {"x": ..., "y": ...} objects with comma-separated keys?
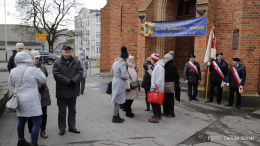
[{"x": 157, "y": 84}]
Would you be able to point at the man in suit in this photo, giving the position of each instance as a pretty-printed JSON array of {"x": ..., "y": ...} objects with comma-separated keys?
[
  {"x": 192, "y": 76},
  {"x": 218, "y": 76},
  {"x": 236, "y": 80},
  {"x": 67, "y": 73}
]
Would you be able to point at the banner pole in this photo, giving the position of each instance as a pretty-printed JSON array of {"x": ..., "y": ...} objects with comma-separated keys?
[{"x": 211, "y": 33}]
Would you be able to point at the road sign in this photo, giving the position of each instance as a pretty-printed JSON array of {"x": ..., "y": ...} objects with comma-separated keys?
[{"x": 41, "y": 37}]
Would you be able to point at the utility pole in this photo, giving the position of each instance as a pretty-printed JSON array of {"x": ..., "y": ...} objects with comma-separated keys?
[{"x": 5, "y": 35}]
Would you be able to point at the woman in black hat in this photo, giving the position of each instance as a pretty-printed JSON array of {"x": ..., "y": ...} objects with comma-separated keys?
[{"x": 119, "y": 73}]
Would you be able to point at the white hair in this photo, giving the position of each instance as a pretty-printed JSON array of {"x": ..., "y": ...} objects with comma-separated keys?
[{"x": 18, "y": 44}]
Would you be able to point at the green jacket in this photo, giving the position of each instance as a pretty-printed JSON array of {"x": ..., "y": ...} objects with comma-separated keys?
[{"x": 45, "y": 94}]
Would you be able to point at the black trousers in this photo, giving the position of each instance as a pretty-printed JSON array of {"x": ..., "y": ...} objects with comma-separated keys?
[
  {"x": 156, "y": 110},
  {"x": 82, "y": 85},
  {"x": 212, "y": 90},
  {"x": 195, "y": 90},
  {"x": 232, "y": 90},
  {"x": 147, "y": 103},
  {"x": 44, "y": 120},
  {"x": 128, "y": 104},
  {"x": 63, "y": 103}
]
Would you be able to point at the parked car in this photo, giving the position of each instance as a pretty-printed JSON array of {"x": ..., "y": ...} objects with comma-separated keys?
[
  {"x": 48, "y": 58},
  {"x": 58, "y": 57}
]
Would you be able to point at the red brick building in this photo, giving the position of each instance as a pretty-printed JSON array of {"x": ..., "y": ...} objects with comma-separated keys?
[{"x": 237, "y": 25}]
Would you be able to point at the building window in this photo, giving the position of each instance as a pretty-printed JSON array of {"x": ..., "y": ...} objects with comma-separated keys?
[
  {"x": 186, "y": 7},
  {"x": 235, "y": 38}
]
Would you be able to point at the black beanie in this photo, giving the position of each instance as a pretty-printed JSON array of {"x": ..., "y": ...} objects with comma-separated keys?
[{"x": 124, "y": 53}]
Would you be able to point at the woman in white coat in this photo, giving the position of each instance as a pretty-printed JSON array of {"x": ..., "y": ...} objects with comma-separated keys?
[
  {"x": 157, "y": 78},
  {"x": 131, "y": 94},
  {"x": 29, "y": 102},
  {"x": 119, "y": 73}
]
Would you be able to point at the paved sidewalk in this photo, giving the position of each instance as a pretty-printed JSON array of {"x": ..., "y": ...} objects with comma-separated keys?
[{"x": 194, "y": 121}]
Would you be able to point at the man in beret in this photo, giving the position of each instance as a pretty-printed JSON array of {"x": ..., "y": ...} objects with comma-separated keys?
[
  {"x": 236, "y": 80},
  {"x": 67, "y": 73},
  {"x": 192, "y": 76},
  {"x": 218, "y": 76}
]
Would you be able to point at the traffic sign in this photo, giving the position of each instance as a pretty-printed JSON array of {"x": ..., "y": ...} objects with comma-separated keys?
[{"x": 41, "y": 37}]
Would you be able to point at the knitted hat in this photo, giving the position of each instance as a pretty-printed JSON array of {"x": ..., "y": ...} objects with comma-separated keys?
[
  {"x": 155, "y": 57},
  {"x": 81, "y": 53},
  {"x": 124, "y": 53},
  {"x": 129, "y": 58},
  {"x": 169, "y": 55}
]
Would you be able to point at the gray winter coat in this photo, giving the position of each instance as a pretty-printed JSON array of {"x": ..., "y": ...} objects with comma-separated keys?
[
  {"x": 45, "y": 94},
  {"x": 29, "y": 102},
  {"x": 85, "y": 66},
  {"x": 119, "y": 73},
  {"x": 63, "y": 73},
  {"x": 157, "y": 76}
]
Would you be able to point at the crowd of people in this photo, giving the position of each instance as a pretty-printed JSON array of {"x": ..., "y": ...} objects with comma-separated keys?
[
  {"x": 28, "y": 76},
  {"x": 33, "y": 93},
  {"x": 160, "y": 74}
]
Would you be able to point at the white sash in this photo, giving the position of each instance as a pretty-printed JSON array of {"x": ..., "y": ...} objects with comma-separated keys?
[
  {"x": 237, "y": 78},
  {"x": 217, "y": 68},
  {"x": 194, "y": 66}
]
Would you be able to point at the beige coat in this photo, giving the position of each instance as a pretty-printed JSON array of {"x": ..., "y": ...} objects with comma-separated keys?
[{"x": 133, "y": 94}]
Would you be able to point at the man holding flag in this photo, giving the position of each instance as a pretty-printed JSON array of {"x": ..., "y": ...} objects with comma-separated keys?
[
  {"x": 236, "y": 79},
  {"x": 218, "y": 76}
]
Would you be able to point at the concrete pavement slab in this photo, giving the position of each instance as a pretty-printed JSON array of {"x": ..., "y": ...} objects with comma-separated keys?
[{"x": 94, "y": 116}]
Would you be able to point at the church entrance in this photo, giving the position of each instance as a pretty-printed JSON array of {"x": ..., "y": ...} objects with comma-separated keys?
[{"x": 184, "y": 46}]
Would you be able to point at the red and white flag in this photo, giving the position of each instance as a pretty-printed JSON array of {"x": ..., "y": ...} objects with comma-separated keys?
[{"x": 213, "y": 46}]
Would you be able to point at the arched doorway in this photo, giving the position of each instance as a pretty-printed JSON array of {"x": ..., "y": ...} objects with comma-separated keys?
[{"x": 184, "y": 45}]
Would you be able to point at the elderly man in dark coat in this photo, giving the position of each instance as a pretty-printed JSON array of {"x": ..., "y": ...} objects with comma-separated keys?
[
  {"x": 236, "y": 80},
  {"x": 67, "y": 72},
  {"x": 192, "y": 76},
  {"x": 218, "y": 76}
]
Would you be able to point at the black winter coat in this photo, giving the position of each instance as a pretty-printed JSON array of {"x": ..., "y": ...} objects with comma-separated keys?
[
  {"x": 214, "y": 76},
  {"x": 171, "y": 75},
  {"x": 11, "y": 64},
  {"x": 190, "y": 74},
  {"x": 63, "y": 72},
  {"x": 146, "y": 83},
  {"x": 242, "y": 75}
]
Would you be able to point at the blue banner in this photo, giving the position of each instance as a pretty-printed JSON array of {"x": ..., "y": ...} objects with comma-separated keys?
[{"x": 184, "y": 27}]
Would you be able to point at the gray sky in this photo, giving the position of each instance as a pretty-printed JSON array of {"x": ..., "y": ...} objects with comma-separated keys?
[{"x": 10, "y": 7}]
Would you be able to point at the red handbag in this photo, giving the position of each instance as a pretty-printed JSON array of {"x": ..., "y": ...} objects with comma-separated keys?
[{"x": 155, "y": 97}]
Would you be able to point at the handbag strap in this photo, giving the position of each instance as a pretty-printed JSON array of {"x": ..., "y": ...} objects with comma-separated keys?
[
  {"x": 156, "y": 87},
  {"x": 20, "y": 80}
]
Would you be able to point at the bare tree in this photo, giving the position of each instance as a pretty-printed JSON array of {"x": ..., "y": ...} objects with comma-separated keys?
[{"x": 48, "y": 17}]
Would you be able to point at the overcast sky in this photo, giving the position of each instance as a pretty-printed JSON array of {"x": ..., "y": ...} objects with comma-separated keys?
[{"x": 10, "y": 7}]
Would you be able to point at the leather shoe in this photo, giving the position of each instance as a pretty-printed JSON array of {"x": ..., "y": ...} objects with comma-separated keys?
[
  {"x": 62, "y": 132},
  {"x": 209, "y": 101},
  {"x": 147, "y": 109},
  {"x": 74, "y": 130},
  {"x": 228, "y": 104},
  {"x": 238, "y": 107},
  {"x": 219, "y": 102},
  {"x": 189, "y": 99},
  {"x": 196, "y": 99}
]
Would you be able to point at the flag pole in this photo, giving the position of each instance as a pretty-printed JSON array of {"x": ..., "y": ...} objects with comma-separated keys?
[{"x": 211, "y": 33}]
